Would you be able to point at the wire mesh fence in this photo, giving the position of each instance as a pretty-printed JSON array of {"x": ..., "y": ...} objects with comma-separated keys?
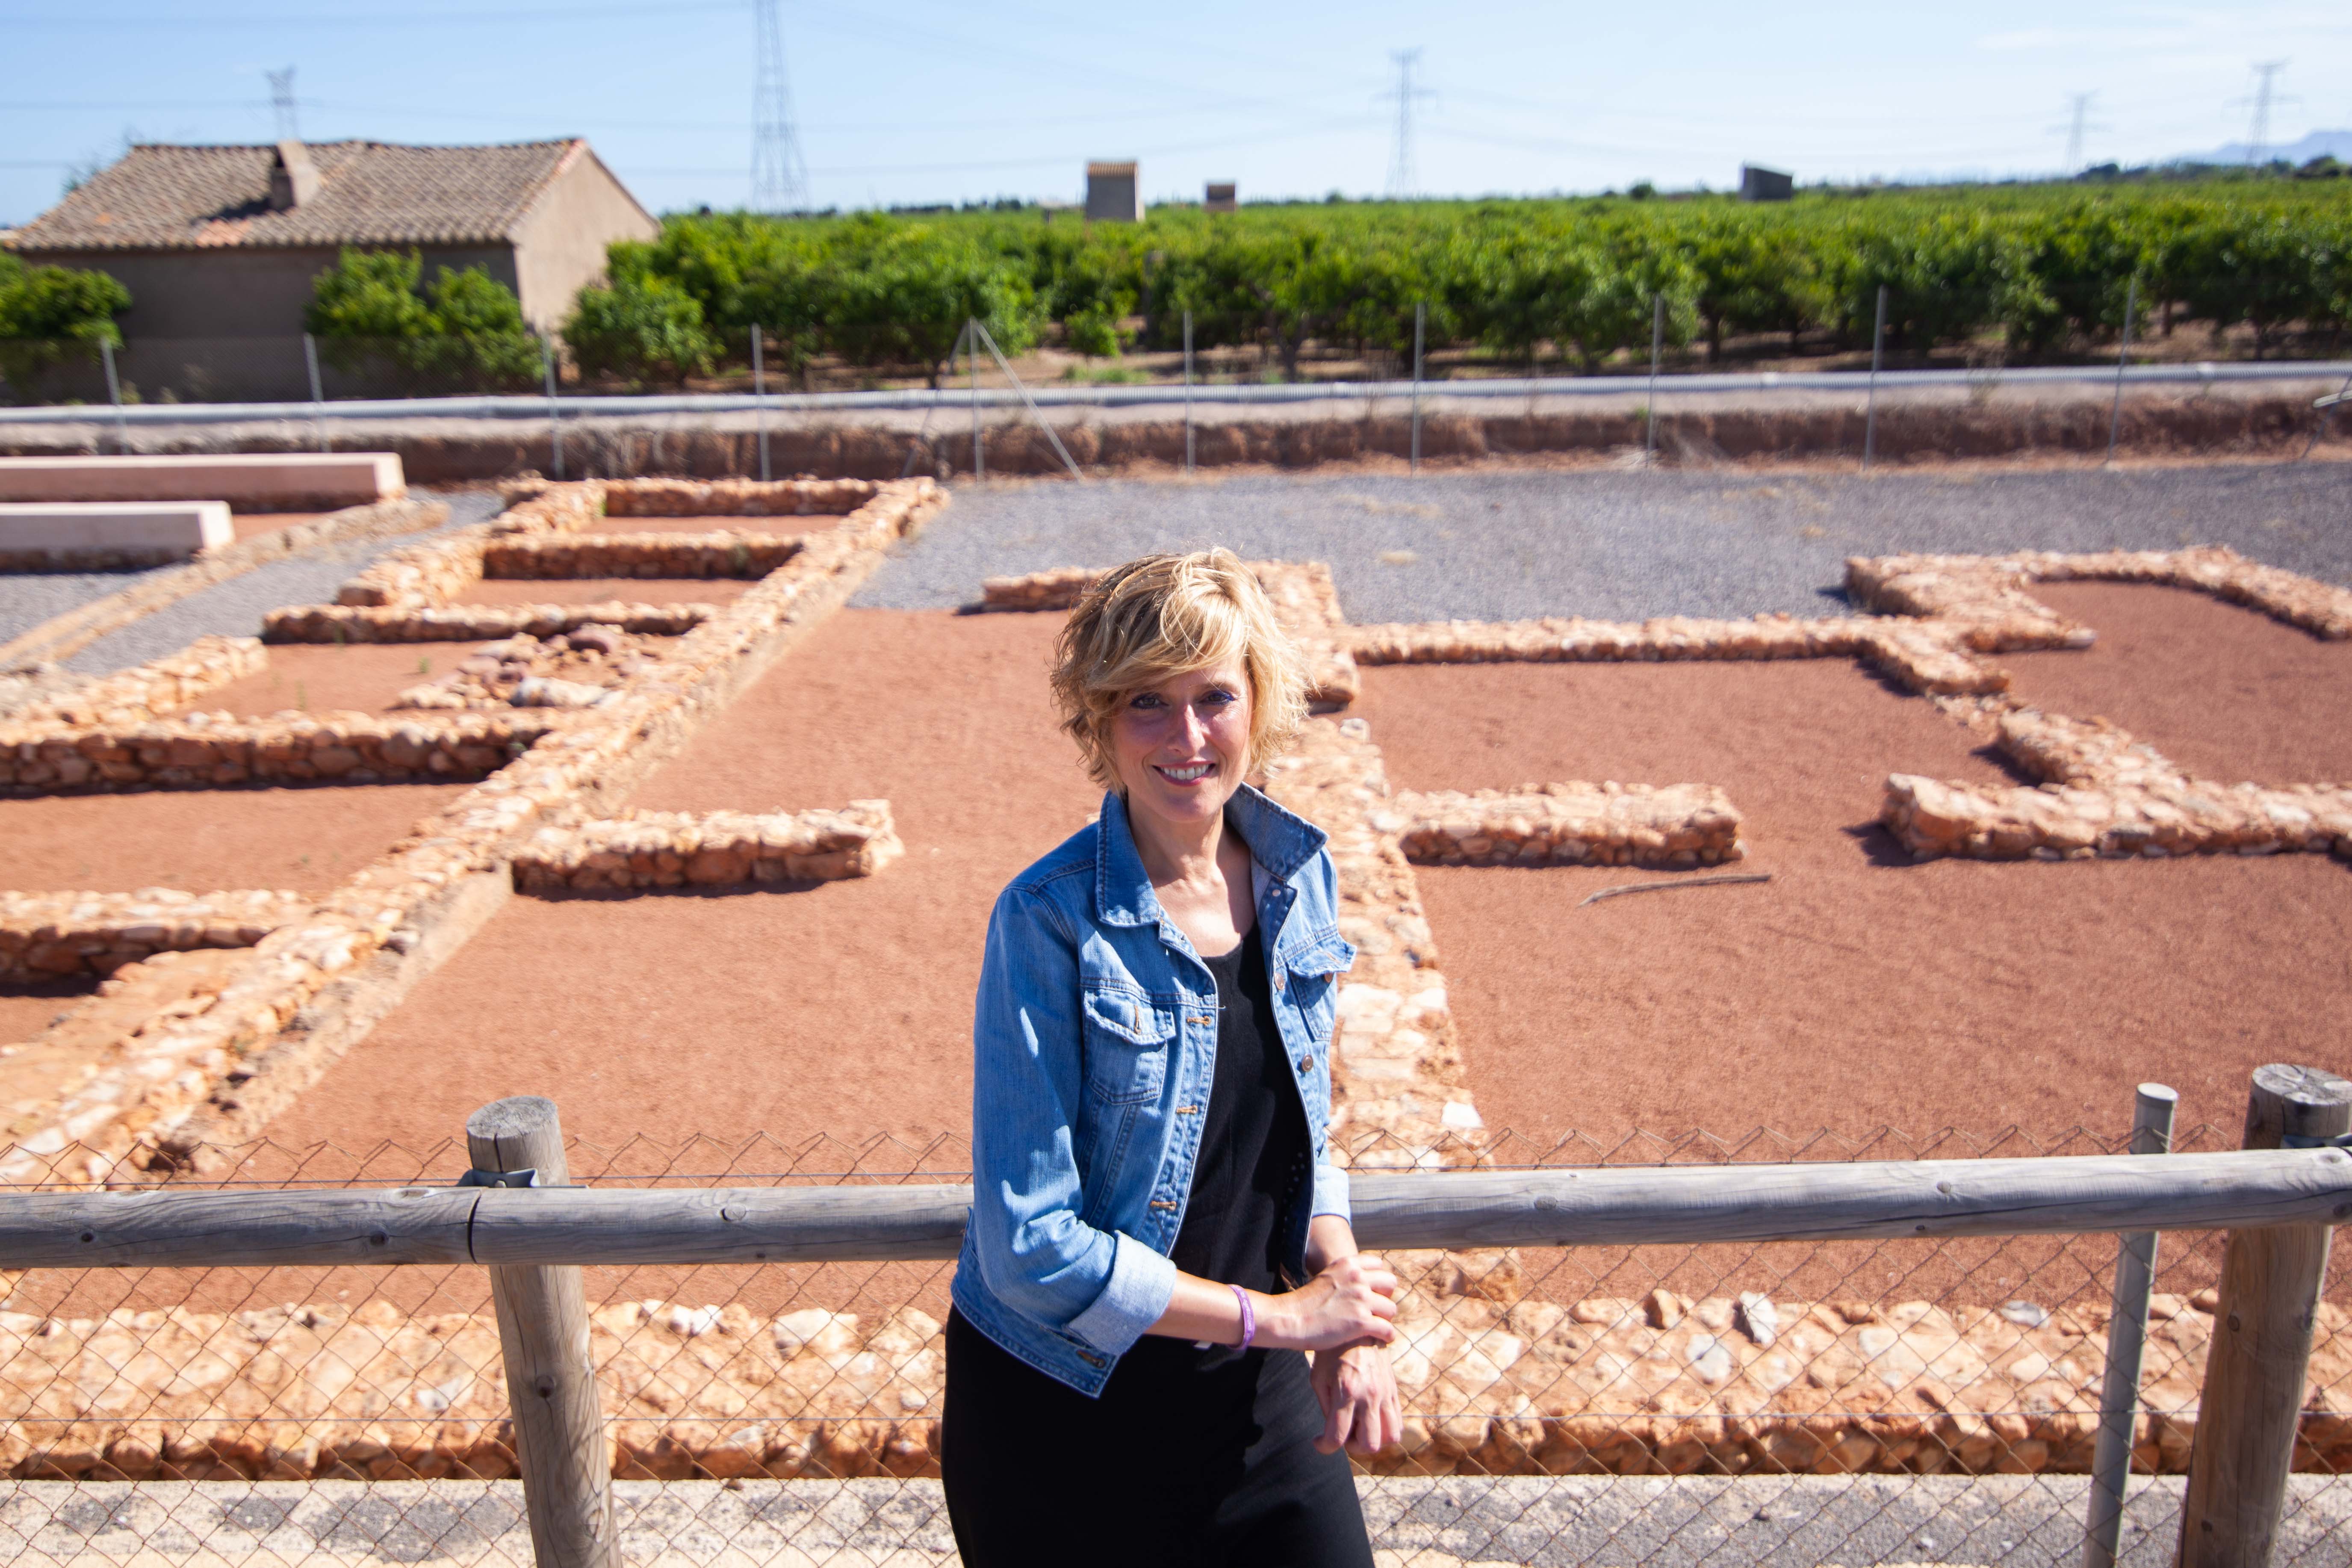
[{"x": 1844, "y": 1402}]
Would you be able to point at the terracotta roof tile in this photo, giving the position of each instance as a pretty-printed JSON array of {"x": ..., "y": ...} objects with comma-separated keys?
[{"x": 370, "y": 193}]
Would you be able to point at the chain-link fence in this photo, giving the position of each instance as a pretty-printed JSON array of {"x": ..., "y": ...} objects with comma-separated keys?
[{"x": 1928, "y": 1400}]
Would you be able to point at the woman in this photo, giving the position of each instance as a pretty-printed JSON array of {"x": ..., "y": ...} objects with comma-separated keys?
[{"x": 1157, "y": 1229}]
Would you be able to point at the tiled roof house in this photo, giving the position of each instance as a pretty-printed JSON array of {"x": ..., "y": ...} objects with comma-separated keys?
[{"x": 222, "y": 243}]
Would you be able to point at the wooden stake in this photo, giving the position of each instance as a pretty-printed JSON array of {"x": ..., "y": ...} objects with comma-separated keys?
[
  {"x": 2259, "y": 1359},
  {"x": 567, "y": 1475}
]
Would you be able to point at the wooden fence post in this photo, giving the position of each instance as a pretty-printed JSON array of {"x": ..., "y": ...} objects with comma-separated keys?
[
  {"x": 567, "y": 1475},
  {"x": 2259, "y": 1357}
]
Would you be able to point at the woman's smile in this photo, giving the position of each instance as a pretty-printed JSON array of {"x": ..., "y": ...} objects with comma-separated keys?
[{"x": 1184, "y": 772}]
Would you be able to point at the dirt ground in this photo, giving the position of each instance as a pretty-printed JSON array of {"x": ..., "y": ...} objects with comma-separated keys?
[
  {"x": 26, "y": 1009},
  {"x": 320, "y": 678},
  {"x": 842, "y": 1010},
  {"x": 202, "y": 841},
  {"x": 1857, "y": 989},
  {"x": 2228, "y": 694},
  {"x": 598, "y": 590}
]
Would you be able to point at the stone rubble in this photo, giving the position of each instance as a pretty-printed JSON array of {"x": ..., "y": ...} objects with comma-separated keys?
[
  {"x": 575, "y": 669},
  {"x": 724, "y": 552},
  {"x": 1990, "y": 591},
  {"x": 651, "y": 850},
  {"x": 215, "y": 750},
  {"x": 52, "y": 936},
  {"x": 1601, "y": 1386},
  {"x": 1674, "y": 825},
  {"x": 169, "y": 1085}
]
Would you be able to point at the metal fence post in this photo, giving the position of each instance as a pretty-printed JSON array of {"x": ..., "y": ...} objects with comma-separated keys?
[
  {"x": 2257, "y": 1367},
  {"x": 759, "y": 398},
  {"x": 554, "y": 416},
  {"x": 2115, "y": 415},
  {"x": 1420, "y": 325},
  {"x": 318, "y": 391},
  {"x": 2152, "y": 1114},
  {"x": 567, "y": 1476},
  {"x": 114, "y": 395},
  {"x": 972, "y": 364},
  {"x": 1188, "y": 392},
  {"x": 1657, "y": 344},
  {"x": 1870, "y": 415}
]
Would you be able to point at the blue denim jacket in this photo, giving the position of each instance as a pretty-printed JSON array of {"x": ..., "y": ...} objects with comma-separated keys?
[{"x": 1093, "y": 1048}]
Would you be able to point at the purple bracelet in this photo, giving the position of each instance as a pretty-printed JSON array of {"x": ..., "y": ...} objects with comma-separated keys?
[{"x": 1249, "y": 1316}]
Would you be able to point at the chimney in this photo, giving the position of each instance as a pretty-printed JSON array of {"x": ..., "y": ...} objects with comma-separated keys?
[{"x": 293, "y": 179}]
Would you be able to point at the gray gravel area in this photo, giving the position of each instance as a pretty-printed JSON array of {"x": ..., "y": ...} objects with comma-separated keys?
[
  {"x": 28, "y": 598},
  {"x": 1620, "y": 545},
  {"x": 232, "y": 608}
]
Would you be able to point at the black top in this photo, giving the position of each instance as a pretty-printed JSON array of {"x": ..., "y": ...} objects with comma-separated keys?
[{"x": 1253, "y": 1156}]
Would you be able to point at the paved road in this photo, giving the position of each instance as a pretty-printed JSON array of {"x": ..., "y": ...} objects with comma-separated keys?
[{"x": 1620, "y": 545}]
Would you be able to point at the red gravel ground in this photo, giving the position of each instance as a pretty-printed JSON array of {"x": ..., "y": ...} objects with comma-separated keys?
[
  {"x": 247, "y": 524},
  {"x": 843, "y": 1010},
  {"x": 2225, "y": 692},
  {"x": 1854, "y": 989},
  {"x": 795, "y": 525},
  {"x": 598, "y": 590},
  {"x": 27, "y": 1010},
  {"x": 201, "y": 841},
  {"x": 322, "y": 678}
]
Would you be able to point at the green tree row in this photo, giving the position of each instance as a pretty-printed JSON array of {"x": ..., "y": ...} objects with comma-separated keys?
[
  {"x": 49, "y": 313},
  {"x": 2043, "y": 267}
]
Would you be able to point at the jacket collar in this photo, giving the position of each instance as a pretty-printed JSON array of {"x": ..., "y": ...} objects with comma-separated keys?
[{"x": 1279, "y": 841}]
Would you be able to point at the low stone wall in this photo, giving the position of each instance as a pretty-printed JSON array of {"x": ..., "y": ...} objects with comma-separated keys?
[
  {"x": 736, "y": 497},
  {"x": 1060, "y": 588},
  {"x": 723, "y": 553},
  {"x": 1990, "y": 592},
  {"x": 2110, "y": 796},
  {"x": 1660, "y": 1386},
  {"x": 474, "y": 623},
  {"x": 50, "y": 936},
  {"x": 1675, "y": 825},
  {"x": 649, "y": 849},
  {"x": 201, "y": 751},
  {"x": 425, "y": 574},
  {"x": 194, "y": 1080},
  {"x": 150, "y": 691}
]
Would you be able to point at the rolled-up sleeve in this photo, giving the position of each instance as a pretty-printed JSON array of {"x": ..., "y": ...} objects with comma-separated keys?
[
  {"x": 1330, "y": 1196},
  {"x": 1036, "y": 1254}
]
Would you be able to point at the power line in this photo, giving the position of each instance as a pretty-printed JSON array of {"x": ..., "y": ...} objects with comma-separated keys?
[
  {"x": 281, "y": 100},
  {"x": 2078, "y": 121},
  {"x": 1402, "y": 177},
  {"x": 779, "y": 177}
]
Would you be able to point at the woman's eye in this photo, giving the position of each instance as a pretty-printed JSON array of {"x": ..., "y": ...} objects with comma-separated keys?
[
  {"x": 1216, "y": 699},
  {"x": 1146, "y": 700}
]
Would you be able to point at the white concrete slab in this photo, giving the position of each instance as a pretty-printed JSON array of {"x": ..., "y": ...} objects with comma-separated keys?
[
  {"x": 248, "y": 482},
  {"x": 135, "y": 531}
]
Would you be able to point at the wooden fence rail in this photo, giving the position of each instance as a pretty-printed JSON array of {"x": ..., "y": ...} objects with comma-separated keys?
[{"x": 1627, "y": 1206}]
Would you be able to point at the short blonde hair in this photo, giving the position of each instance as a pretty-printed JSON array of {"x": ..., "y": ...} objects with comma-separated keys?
[{"x": 1167, "y": 614}]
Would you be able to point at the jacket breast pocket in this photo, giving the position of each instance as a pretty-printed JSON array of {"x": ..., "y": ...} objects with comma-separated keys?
[
  {"x": 1127, "y": 1036},
  {"x": 1315, "y": 972}
]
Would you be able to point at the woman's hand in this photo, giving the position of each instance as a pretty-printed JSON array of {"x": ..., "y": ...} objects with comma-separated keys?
[
  {"x": 1348, "y": 1303},
  {"x": 1357, "y": 1388}
]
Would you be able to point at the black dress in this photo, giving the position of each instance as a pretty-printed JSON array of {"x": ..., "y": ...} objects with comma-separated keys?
[{"x": 1190, "y": 1455}]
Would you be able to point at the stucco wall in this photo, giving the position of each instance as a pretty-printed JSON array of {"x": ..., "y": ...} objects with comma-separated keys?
[{"x": 560, "y": 241}]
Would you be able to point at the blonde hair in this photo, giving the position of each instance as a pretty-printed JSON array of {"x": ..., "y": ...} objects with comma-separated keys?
[{"x": 1167, "y": 614}]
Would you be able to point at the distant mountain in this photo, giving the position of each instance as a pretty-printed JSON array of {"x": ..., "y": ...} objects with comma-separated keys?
[{"x": 2318, "y": 144}]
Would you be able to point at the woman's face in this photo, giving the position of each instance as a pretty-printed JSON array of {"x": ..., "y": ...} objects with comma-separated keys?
[{"x": 1181, "y": 747}]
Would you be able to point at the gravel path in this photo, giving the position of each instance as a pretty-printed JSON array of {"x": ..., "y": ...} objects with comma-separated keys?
[
  {"x": 232, "y": 608},
  {"x": 1621, "y": 545}
]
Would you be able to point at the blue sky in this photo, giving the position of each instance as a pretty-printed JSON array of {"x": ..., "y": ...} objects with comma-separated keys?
[{"x": 921, "y": 101}]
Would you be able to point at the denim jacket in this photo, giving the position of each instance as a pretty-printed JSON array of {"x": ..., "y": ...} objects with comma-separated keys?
[{"x": 1094, "y": 1048}]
